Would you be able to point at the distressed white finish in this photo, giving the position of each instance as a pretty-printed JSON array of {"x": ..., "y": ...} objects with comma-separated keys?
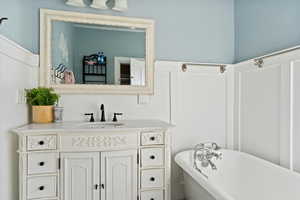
[
  {"x": 152, "y": 194},
  {"x": 240, "y": 176},
  {"x": 49, "y": 184},
  {"x": 39, "y": 163},
  {"x": 80, "y": 172},
  {"x": 41, "y": 142},
  {"x": 91, "y": 142},
  {"x": 119, "y": 173},
  {"x": 152, "y": 138},
  {"x": 152, "y": 178},
  {"x": 152, "y": 157},
  {"x": 46, "y": 18},
  {"x": 91, "y": 157}
]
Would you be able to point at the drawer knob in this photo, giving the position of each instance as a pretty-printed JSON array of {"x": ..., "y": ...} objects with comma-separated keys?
[
  {"x": 152, "y": 199},
  {"x": 152, "y": 157},
  {"x": 41, "y": 142},
  {"x": 152, "y": 138},
  {"x": 41, "y": 163},
  {"x": 41, "y": 187},
  {"x": 152, "y": 179}
]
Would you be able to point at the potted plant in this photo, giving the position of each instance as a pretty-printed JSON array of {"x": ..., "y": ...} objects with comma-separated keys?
[{"x": 42, "y": 101}]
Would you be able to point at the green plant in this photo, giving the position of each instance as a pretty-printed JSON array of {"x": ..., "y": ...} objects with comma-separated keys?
[{"x": 41, "y": 96}]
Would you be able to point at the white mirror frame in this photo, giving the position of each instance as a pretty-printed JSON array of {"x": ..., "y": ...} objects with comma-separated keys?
[{"x": 46, "y": 19}]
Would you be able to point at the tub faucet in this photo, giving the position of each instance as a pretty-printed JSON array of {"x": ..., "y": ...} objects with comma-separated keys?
[{"x": 205, "y": 152}]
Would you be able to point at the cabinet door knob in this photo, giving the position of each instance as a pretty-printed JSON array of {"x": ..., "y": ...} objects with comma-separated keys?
[
  {"x": 152, "y": 138},
  {"x": 41, "y": 163},
  {"x": 41, "y": 187},
  {"x": 41, "y": 142},
  {"x": 102, "y": 185},
  {"x": 152, "y": 179},
  {"x": 152, "y": 157}
]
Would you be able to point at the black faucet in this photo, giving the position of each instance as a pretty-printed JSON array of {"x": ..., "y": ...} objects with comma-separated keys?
[
  {"x": 102, "y": 113},
  {"x": 92, "y": 116},
  {"x": 115, "y": 116}
]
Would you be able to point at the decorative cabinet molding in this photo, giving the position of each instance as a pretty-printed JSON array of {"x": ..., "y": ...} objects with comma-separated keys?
[
  {"x": 98, "y": 142},
  {"x": 107, "y": 164},
  {"x": 41, "y": 142}
]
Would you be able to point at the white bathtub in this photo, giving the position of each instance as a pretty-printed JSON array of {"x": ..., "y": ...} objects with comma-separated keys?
[{"x": 239, "y": 176}]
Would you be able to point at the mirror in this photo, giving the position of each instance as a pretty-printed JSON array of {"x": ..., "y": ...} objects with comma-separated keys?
[{"x": 87, "y": 53}]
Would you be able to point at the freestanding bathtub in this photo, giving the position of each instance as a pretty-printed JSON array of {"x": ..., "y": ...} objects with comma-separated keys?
[{"x": 239, "y": 176}]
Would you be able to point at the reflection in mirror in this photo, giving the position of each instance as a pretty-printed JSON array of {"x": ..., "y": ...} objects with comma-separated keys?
[{"x": 97, "y": 54}]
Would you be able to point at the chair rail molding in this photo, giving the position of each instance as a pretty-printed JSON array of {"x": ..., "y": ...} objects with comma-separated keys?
[{"x": 18, "y": 53}]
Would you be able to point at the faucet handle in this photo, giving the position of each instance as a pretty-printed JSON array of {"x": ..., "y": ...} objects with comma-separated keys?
[
  {"x": 115, "y": 116},
  {"x": 92, "y": 116}
]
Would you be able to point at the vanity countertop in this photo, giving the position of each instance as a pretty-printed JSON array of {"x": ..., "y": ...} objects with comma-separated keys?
[{"x": 73, "y": 126}]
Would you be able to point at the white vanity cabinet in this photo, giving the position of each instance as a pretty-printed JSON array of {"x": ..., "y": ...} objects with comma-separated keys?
[
  {"x": 66, "y": 162},
  {"x": 79, "y": 176}
]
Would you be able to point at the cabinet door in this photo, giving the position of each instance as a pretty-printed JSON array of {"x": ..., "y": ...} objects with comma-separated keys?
[
  {"x": 80, "y": 174},
  {"x": 119, "y": 175}
]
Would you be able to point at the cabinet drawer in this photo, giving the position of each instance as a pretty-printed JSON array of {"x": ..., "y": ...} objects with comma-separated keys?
[
  {"x": 152, "y": 195},
  {"x": 153, "y": 178},
  {"x": 152, "y": 157},
  {"x": 152, "y": 138},
  {"x": 41, "y": 142},
  {"x": 42, "y": 163},
  {"x": 41, "y": 187}
]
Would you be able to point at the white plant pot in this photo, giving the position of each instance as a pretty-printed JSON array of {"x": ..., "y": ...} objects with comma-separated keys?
[
  {"x": 99, "y": 4},
  {"x": 120, "y": 5},
  {"x": 77, "y": 3}
]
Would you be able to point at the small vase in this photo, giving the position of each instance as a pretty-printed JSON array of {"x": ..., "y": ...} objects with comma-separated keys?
[{"x": 42, "y": 114}]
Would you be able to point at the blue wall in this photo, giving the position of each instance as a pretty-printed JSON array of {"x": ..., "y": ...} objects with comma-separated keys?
[
  {"x": 112, "y": 43},
  {"x": 200, "y": 30},
  {"x": 264, "y": 26},
  {"x": 194, "y": 30}
]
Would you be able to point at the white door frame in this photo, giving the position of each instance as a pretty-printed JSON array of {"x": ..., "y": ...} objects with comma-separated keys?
[{"x": 117, "y": 63}]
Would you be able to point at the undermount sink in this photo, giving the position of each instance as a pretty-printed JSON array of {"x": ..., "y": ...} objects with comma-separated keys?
[{"x": 100, "y": 125}]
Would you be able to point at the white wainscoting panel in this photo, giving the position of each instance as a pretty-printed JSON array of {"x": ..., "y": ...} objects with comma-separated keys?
[
  {"x": 199, "y": 111},
  {"x": 201, "y": 114},
  {"x": 295, "y": 115},
  {"x": 18, "y": 70},
  {"x": 260, "y": 111},
  {"x": 266, "y": 109}
]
